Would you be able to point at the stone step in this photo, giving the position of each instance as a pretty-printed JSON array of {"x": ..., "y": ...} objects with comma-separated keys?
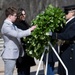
[
  {"x": 1, "y": 44},
  {"x": 1, "y": 39},
  {"x": 1, "y": 48}
]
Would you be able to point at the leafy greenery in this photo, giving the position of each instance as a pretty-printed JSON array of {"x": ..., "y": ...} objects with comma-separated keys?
[{"x": 52, "y": 19}]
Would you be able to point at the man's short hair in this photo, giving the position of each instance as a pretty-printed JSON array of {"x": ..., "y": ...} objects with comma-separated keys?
[{"x": 10, "y": 11}]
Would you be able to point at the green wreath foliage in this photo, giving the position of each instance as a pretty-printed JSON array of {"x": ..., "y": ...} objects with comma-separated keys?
[{"x": 52, "y": 19}]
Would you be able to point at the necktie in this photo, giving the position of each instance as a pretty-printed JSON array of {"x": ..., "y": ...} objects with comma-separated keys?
[{"x": 14, "y": 27}]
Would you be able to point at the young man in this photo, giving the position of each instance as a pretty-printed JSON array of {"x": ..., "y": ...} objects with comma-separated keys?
[
  {"x": 12, "y": 45},
  {"x": 68, "y": 47}
]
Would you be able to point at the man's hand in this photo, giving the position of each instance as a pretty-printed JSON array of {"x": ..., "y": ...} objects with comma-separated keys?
[{"x": 32, "y": 28}]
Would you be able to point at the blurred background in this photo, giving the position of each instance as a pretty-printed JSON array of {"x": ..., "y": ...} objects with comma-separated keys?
[{"x": 32, "y": 7}]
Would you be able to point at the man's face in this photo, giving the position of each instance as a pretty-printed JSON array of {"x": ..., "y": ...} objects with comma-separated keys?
[
  {"x": 69, "y": 14},
  {"x": 13, "y": 17}
]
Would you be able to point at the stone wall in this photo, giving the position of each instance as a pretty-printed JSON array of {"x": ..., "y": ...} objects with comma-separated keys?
[{"x": 32, "y": 7}]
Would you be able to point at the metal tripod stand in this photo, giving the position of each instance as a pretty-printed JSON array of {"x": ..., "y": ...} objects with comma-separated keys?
[{"x": 47, "y": 59}]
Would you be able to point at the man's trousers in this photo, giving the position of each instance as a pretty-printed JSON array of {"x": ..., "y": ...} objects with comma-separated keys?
[{"x": 9, "y": 65}]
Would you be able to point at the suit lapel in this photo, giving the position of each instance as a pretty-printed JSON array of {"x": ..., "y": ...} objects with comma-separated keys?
[{"x": 68, "y": 25}]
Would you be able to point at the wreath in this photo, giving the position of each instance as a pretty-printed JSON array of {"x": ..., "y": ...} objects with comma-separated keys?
[{"x": 52, "y": 19}]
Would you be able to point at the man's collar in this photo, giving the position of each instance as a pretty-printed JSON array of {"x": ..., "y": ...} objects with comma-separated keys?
[
  {"x": 8, "y": 21},
  {"x": 70, "y": 19}
]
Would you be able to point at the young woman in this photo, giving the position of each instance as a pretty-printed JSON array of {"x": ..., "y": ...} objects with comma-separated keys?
[{"x": 24, "y": 63}]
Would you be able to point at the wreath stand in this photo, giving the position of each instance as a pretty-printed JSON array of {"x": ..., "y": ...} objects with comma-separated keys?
[{"x": 47, "y": 48}]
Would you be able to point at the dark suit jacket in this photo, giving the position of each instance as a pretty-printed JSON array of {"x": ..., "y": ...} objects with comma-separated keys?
[
  {"x": 25, "y": 61},
  {"x": 67, "y": 49}
]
